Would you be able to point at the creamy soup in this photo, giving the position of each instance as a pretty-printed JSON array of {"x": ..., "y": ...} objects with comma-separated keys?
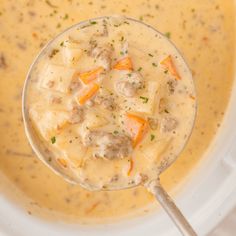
[
  {"x": 112, "y": 112},
  {"x": 204, "y": 33}
]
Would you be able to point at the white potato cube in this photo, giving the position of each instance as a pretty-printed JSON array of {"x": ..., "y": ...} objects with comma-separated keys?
[
  {"x": 72, "y": 148},
  {"x": 48, "y": 122},
  {"x": 94, "y": 120},
  {"x": 57, "y": 78},
  {"x": 71, "y": 53},
  {"x": 145, "y": 101}
]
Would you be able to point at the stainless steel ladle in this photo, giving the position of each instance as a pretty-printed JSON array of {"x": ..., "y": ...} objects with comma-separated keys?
[{"x": 153, "y": 186}]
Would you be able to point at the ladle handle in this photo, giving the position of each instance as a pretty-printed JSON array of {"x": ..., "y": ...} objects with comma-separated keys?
[{"x": 171, "y": 209}]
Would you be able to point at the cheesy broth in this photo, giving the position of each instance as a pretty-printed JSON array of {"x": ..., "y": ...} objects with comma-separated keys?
[{"x": 203, "y": 31}]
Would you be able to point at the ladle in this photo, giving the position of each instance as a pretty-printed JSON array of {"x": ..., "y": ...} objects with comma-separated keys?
[{"x": 153, "y": 186}]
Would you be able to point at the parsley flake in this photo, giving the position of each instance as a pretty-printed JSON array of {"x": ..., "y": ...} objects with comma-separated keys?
[
  {"x": 66, "y": 17},
  {"x": 93, "y": 22},
  {"x": 145, "y": 99},
  {"x": 50, "y": 4},
  {"x": 152, "y": 137},
  {"x": 168, "y": 34},
  {"x": 53, "y": 139},
  {"x": 154, "y": 64}
]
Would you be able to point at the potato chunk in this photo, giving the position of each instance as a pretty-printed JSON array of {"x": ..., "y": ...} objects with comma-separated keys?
[
  {"x": 71, "y": 53},
  {"x": 144, "y": 101},
  {"x": 49, "y": 122},
  {"x": 95, "y": 119},
  {"x": 57, "y": 78}
]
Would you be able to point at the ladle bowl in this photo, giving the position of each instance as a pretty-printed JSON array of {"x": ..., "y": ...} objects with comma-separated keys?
[{"x": 41, "y": 151}]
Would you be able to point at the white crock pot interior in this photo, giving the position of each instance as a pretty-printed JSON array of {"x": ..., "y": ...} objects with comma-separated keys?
[{"x": 207, "y": 195}]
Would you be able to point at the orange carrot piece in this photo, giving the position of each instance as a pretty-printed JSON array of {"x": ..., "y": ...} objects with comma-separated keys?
[
  {"x": 124, "y": 64},
  {"x": 88, "y": 94},
  {"x": 170, "y": 66},
  {"x": 192, "y": 97},
  {"x": 62, "y": 162},
  {"x": 137, "y": 127},
  {"x": 91, "y": 75},
  {"x": 130, "y": 167}
]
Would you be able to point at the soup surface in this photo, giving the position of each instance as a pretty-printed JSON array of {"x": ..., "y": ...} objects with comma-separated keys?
[
  {"x": 204, "y": 33},
  {"x": 112, "y": 113}
]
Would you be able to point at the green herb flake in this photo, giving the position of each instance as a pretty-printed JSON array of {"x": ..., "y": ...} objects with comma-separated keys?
[
  {"x": 93, "y": 22},
  {"x": 152, "y": 137},
  {"x": 122, "y": 38},
  {"x": 58, "y": 25},
  {"x": 66, "y": 17},
  {"x": 145, "y": 99},
  {"x": 166, "y": 111},
  {"x": 121, "y": 53},
  {"x": 50, "y": 4},
  {"x": 115, "y": 132},
  {"x": 150, "y": 55},
  {"x": 154, "y": 64},
  {"x": 62, "y": 44},
  {"x": 139, "y": 69},
  {"x": 53, "y": 139},
  {"x": 166, "y": 71},
  {"x": 168, "y": 34}
]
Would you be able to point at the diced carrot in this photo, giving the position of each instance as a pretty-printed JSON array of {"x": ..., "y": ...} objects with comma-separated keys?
[
  {"x": 62, "y": 162},
  {"x": 91, "y": 75},
  {"x": 137, "y": 127},
  {"x": 124, "y": 64},
  {"x": 192, "y": 97},
  {"x": 87, "y": 94},
  {"x": 130, "y": 167},
  {"x": 170, "y": 66}
]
